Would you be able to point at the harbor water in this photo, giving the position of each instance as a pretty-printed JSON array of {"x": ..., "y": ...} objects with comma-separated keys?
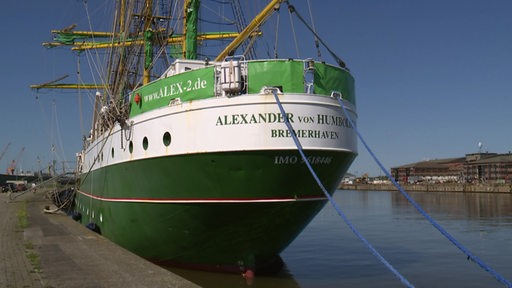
[{"x": 328, "y": 254}]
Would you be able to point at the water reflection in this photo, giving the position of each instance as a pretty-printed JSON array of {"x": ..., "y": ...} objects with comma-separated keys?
[
  {"x": 461, "y": 205},
  {"x": 327, "y": 254},
  {"x": 222, "y": 280}
]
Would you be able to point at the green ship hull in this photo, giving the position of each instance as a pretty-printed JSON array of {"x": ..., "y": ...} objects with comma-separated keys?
[{"x": 217, "y": 211}]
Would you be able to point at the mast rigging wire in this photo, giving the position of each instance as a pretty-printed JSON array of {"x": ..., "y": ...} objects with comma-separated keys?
[
  {"x": 79, "y": 78},
  {"x": 292, "y": 10},
  {"x": 294, "y": 34},
  {"x": 319, "y": 54},
  {"x": 278, "y": 17}
]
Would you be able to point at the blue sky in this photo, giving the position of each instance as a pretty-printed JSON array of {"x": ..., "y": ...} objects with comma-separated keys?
[{"x": 432, "y": 77}]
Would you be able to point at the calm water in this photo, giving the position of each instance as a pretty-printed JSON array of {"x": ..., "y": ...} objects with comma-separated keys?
[{"x": 328, "y": 254}]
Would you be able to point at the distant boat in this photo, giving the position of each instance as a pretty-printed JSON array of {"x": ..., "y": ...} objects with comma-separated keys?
[{"x": 196, "y": 167}]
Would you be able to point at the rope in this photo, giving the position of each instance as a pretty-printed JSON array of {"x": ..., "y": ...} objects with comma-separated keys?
[
  {"x": 468, "y": 253},
  {"x": 292, "y": 10},
  {"x": 105, "y": 140},
  {"x": 317, "y": 45},
  {"x": 60, "y": 205},
  {"x": 340, "y": 212},
  {"x": 294, "y": 35},
  {"x": 277, "y": 33},
  {"x": 55, "y": 117}
]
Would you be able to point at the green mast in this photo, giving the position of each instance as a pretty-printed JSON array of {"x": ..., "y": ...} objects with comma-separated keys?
[{"x": 191, "y": 19}]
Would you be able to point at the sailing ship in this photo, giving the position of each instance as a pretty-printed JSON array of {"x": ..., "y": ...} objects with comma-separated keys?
[{"x": 195, "y": 167}]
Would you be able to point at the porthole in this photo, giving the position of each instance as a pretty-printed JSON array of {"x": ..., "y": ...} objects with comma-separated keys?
[
  {"x": 112, "y": 152},
  {"x": 167, "y": 139},
  {"x": 145, "y": 143},
  {"x": 130, "y": 147}
]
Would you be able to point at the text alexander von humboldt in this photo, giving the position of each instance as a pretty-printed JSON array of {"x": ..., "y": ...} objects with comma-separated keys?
[{"x": 321, "y": 119}]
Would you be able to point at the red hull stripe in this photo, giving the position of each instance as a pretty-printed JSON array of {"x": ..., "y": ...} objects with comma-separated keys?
[{"x": 203, "y": 200}]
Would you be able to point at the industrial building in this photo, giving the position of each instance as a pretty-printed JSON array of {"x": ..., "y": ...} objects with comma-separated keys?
[{"x": 473, "y": 168}]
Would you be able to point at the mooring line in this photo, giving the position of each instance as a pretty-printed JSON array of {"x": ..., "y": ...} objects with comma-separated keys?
[
  {"x": 338, "y": 209},
  {"x": 469, "y": 254}
]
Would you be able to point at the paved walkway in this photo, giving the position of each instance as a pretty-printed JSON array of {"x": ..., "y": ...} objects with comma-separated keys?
[{"x": 55, "y": 251}]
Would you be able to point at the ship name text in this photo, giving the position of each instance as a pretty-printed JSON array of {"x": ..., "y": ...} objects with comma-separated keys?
[
  {"x": 292, "y": 159},
  {"x": 322, "y": 119},
  {"x": 177, "y": 88},
  {"x": 319, "y": 120}
]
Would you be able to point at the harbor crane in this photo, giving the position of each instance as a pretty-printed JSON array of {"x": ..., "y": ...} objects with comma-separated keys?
[
  {"x": 12, "y": 166},
  {"x": 4, "y": 150}
]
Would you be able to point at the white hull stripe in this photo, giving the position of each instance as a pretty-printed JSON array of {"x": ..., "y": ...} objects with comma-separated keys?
[{"x": 203, "y": 200}]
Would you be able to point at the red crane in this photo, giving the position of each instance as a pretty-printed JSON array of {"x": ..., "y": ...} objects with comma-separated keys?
[{"x": 12, "y": 166}]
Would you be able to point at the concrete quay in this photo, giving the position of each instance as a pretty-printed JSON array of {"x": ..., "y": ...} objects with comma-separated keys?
[
  {"x": 52, "y": 251},
  {"x": 445, "y": 187}
]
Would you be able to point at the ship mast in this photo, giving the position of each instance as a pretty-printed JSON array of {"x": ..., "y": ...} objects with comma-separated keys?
[
  {"x": 251, "y": 28},
  {"x": 191, "y": 10},
  {"x": 124, "y": 66},
  {"x": 148, "y": 40},
  {"x": 123, "y": 40}
]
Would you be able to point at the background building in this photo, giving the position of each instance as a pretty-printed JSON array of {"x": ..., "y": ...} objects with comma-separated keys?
[{"x": 473, "y": 168}]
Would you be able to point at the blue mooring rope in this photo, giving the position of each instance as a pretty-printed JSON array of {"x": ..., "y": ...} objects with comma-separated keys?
[
  {"x": 349, "y": 224},
  {"x": 468, "y": 253}
]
